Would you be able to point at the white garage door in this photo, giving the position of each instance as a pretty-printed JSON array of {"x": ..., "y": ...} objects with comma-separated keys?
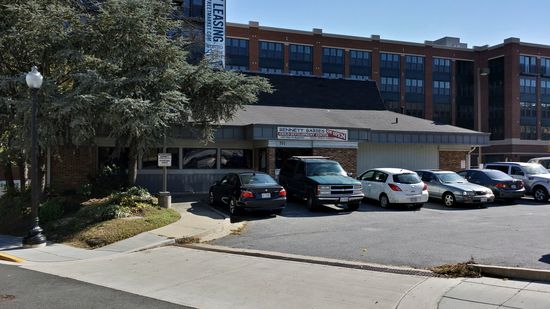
[{"x": 405, "y": 156}]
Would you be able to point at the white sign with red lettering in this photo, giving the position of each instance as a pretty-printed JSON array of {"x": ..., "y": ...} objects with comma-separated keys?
[{"x": 317, "y": 134}]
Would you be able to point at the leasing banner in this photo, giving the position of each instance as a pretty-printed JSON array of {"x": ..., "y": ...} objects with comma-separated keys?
[
  {"x": 318, "y": 134},
  {"x": 214, "y": 32}
]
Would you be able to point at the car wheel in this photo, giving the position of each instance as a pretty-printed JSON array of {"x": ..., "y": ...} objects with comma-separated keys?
[
  {"x": 418, "y": 206},
  {"x": 233, "y": 209},
  {"x": 211, "y": 199},
  {"x": 540, "y": 194},
  {"x": 310, "y": 202},
  {"x": 384, "y": 201},
  {"x": 449, "y": 199},
  {"x": 353, "y": 206}
]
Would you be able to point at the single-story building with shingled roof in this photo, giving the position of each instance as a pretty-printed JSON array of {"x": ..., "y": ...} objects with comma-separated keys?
[{"x": 341, "y": 119}]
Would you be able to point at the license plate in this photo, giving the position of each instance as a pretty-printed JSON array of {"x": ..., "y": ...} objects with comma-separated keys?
[
  {"x": 344, "y": 199},
  {"x": 414, "y": 199},
  {"x": 266, "y": 195},
  {"x": 483, "y": 199}
]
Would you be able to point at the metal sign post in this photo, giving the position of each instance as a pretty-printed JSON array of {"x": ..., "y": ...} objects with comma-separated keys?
[{"x": 165, "y": 161}]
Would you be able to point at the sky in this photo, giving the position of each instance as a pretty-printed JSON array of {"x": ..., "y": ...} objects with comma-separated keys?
[{"x": 477, "y": 23}]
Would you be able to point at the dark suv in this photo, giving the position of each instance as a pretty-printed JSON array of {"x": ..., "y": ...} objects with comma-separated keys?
[{"x": 320, "y": 181}]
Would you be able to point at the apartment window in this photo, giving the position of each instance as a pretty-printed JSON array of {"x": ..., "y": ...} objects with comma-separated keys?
[
  {"x": 193, "y": 8},
  {"x": 545, "y": 133},
  {"x": 149, "y": 160},
  {"x": 236, "y": 158},
  {"x": 442, "y": 113},
  {"x": 300, "y": 60},
  {"x": 360, "y": 65},
  {"x": 441, "y": 88},
  {"x": 528, "y": 85},
  {"x": 528, "y": 64},
  {"x": 528, "y": 132},
  {"x": 271, "y": 57},
  {"x": 545, "y": 87},
  {"x": 389, "y": 84},
  {"x": 441, "y": 65},
  {"x": 528, "y": 110},
  {"x": 389, "y": 61},
  {"x": 415, "y": 109},
  {"x": 333, "y": 62},
  {"x": 392, "y": 105},
  {"x": 199, "y": 158},
  {"x": 414, "y": 86},
  {"x": 545, "y": 66},
  {"x": 236, "y": 54},
  {"x": 414, "y": 63},
  {"x": 545, "y": 108}
]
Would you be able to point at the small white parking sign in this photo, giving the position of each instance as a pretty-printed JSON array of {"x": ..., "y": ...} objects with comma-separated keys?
[{"x": 164, "y": 159}]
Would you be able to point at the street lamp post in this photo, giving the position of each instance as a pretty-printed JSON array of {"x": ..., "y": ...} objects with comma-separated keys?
[
  {"x": 480, "y": 72},
  {"x": 34, "y": 238}
]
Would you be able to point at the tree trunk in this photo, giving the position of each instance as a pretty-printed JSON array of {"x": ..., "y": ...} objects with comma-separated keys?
[
  {"x": 10, "y": 184},
  {"x": 22, "y": 167},
  {"x": 132, "y": 166}
]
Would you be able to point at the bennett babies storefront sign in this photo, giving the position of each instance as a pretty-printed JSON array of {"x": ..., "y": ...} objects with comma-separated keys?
[{"x": 318, "y": 134}]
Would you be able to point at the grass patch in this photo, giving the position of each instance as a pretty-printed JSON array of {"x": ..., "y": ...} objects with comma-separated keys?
[
  {"x": 457, "y": 270},
  {"x": 121, "y": 215}
]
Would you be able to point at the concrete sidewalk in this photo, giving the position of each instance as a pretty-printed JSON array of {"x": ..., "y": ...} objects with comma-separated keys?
[
  {"x": 206, "y": 279},
  {"x": 198, "y": 221}
]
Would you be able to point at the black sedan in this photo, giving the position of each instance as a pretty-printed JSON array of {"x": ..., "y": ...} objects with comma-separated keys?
[
  {"x": 503, "y": 186},
  {"x": 248, "y": 191}
]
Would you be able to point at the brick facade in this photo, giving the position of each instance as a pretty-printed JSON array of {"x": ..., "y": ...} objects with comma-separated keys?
[
  {"x": 450, "y": 160},
  {"x": 346, "y": 157},
  {"x": 71, "y": 167}
]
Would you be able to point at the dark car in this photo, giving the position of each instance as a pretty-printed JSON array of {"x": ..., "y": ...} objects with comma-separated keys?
[
  {"x": 248, "y": 191},
  {"x": 503, "y": 186},
  {"x": 320, "y": 181}
]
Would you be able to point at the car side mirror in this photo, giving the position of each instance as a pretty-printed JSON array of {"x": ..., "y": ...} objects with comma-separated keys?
[{"x": 350, "y": 174}]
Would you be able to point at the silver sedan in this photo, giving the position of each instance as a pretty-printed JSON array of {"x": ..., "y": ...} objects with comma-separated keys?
[{"x": 451, "y": 188}]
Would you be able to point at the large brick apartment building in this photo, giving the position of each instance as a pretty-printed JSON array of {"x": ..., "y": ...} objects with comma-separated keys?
[{"x": 440, "y": 80}]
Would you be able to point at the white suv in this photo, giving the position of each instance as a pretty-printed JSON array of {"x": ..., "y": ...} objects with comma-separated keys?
[
  {"x": 544, "y": 161},
  {"x": 535, "y": 177}
]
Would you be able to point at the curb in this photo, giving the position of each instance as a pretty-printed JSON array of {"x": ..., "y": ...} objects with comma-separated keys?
[
  {"x": 10, "y": 258},
  {"x": 513, "y": 272},
  {"x": 313, "y": 260},
  {"x": 164, "y": 243}
]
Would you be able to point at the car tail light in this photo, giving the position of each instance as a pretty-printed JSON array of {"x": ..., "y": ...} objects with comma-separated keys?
[
  {"x": 282, "y": 193},
  {"x": 500, "y": 185},
  {"x": 247, "y": 194},
  {"x": 394, "y": 187},
  {"x": 425, "y": 187},
  {"x": 520, "y": 184}
]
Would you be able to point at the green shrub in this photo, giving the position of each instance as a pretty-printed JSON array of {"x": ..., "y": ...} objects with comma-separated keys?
[
  {"x": 51, "y": 210},
  {"x": 110, "y": 179}
]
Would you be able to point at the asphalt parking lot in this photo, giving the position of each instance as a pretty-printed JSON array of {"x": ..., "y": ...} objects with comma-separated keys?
[{"x": 501, "y": 234}]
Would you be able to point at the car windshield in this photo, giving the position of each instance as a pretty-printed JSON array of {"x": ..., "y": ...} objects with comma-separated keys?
[
  {"x": 450, "y": 177},
  {"x": 324, "y": 169},
  {"x": 409, "y": 178},
  {"x": 533, "y": 169},
  {"x": 494, "y": 174},
  {"x": 257, "y": 179}
]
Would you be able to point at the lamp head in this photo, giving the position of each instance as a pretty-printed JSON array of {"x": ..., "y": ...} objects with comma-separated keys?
[{"x": 34, "y": 78}]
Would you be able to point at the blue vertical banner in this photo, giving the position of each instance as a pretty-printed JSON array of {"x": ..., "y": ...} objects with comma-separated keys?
[{"x": 214, "y": 32}]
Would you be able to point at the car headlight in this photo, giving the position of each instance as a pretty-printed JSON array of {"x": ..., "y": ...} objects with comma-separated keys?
[
  {"x": 467, "y": 193},
  {"x": 357, "y": 187},
  {"x": 323, "y": 188}
]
